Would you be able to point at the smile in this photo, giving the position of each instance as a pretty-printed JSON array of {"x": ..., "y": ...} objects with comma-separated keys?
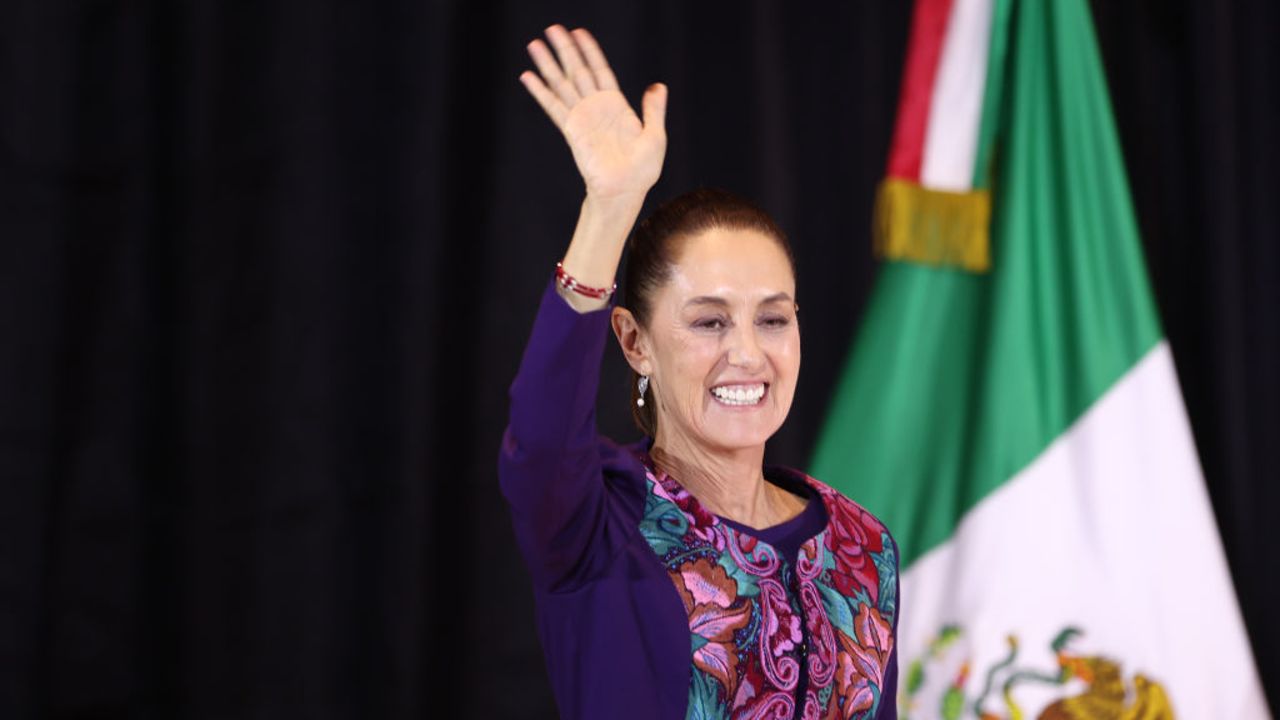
[{"x": 739, "y": 395}]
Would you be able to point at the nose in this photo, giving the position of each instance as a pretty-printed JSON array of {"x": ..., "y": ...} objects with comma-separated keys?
[{"x": 744, "y": 347}]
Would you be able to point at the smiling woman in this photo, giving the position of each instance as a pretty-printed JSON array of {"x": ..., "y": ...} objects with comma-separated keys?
[
  {"x": 679, "y": 576},
  {"x": 668, "y": 232},
  {"x": 709, "y": 326}
]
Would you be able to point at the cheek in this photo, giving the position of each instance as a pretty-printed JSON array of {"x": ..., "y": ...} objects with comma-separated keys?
[
  {"x": 690, "y": 361},
  {"x": 786, "y": 356}
]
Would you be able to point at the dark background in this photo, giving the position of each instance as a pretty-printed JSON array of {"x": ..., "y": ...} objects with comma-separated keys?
[{"x": 266, "y": 270}]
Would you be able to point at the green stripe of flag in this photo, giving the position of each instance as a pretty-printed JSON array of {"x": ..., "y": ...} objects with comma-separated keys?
[{"x": 958, "y": 381}]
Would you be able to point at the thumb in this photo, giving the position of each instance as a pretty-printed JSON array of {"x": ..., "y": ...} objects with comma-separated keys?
[{"x": 654, "y": 106}]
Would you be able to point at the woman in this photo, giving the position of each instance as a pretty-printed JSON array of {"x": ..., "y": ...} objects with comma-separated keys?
[{"x": 679, "y": 576}]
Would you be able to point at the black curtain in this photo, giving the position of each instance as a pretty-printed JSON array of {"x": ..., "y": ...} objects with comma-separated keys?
[{"x": 266, "y": 270}]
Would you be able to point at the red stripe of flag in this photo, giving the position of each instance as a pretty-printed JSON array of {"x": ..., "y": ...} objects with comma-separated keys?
[{"x": 928, "y": 29}]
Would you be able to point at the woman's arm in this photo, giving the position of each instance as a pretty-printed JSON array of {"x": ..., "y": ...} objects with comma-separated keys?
[
  {"x": 549, "y": 465},
  {"x": 618, "y": 156}
]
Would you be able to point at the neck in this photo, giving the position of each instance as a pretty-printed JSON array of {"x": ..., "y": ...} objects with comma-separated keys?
[{"x": 729, "y": 482}]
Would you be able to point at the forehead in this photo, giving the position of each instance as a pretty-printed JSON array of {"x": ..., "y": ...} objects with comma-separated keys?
[{"x": 736, "y": 264}]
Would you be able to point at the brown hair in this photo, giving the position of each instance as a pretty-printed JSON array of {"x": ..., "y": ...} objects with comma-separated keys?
[{"x": 652, "y": 251}]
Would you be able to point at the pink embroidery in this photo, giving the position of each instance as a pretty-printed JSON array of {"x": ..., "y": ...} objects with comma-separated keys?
[
  {"x": 780, "y": 635},
  {"x": 746, "y": 635},
  {"x": 774, "y": 706},
  {"x": 752, "y": 555},
  {"x": 822, "y": 643}
]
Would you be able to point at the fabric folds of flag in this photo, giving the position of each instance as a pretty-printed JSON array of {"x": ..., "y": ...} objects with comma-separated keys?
[{"x": 1010, "y": 407}]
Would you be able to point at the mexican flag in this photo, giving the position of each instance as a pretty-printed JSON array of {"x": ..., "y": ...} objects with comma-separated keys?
[{"x": 1010, "y": 408}]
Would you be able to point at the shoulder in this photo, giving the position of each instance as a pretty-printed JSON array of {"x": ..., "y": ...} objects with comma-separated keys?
[
  {"x": 623, "y": 467},
  {"x": 847, "y": 517},
  {"x": 624, "y": 458}
]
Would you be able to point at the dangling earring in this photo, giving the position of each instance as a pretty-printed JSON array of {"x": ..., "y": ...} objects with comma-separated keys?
[{"x": 643, "y": 385}]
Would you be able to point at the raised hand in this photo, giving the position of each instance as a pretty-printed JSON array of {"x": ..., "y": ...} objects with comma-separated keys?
[{"x": 617, "y": 155}]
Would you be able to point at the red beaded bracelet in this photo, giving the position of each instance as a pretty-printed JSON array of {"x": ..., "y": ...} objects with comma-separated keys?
[{"x": 569, "y": 282}]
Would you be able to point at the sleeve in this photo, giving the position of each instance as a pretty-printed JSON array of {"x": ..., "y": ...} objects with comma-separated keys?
[
  {"x": 549, "y": 465},
  {"x": 889, "y": 690}
]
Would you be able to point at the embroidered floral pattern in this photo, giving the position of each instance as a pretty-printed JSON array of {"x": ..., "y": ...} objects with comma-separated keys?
[
  {"x": 745, "y": 629},
  {"x": 710, "y": 599},
  {"x": 862, "y": 664},
  {"x": 853, "y": 546}
]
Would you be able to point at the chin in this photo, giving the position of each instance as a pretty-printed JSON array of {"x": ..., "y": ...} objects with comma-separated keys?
[{"x": 742, "y": 437}]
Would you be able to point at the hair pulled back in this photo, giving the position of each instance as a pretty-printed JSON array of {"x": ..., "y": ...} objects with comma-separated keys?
[{"x": 653, "y": 249}]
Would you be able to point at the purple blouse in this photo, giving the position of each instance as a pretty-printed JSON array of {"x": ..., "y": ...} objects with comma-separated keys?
[{"x": 648, "y": 605}]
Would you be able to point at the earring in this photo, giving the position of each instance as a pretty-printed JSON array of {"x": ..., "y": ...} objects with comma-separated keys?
[{"x": 643, "y": 385}]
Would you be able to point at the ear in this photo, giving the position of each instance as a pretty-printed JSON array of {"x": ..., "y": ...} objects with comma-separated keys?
[{"x": 632, "y": 340}]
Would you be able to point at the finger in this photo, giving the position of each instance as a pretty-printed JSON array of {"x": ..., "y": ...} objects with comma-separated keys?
[
  {"x": 552, "y": 76},
  {"x": 550, "y": 103},
  {"x": 595, "y": 60},
  {"x": 654, "y": 107},
  {"x": 571, "y": 60}
]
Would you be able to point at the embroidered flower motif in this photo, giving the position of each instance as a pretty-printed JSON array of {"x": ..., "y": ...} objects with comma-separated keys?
[
  {"x": 858, "y": 536},
  {"x": 861, "y": 663},
  {"x": 822, "y": 641},
  {"x": 779, "y": 636},
  {"x": 705, "y": 581},
  {"x": 875, "y": 635},
  {"x": 718, "y": 656},
  {"x": 782, "y": 626},
  {"x": 709, "y": 596}
]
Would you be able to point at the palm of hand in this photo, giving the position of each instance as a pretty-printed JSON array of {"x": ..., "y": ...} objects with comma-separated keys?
[
  {"x": 609, "y": 145},
  {"x": 618, "y": 153}
]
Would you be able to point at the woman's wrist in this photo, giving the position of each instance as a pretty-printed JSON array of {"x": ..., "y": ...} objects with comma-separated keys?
[
  {"x": 603, "y": 226},
  {"x": 579, "y": 302},
  {"x": 614, "y": 209}
]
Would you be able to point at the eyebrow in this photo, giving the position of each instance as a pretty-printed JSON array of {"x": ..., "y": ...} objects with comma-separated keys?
[{"x": 713, "y": 300}]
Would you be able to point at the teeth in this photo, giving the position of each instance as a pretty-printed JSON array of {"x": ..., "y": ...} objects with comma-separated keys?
[{"x": 739, "y": 394}]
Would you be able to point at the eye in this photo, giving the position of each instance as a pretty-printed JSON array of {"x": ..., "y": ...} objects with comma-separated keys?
[
  {"x": 714, "y": 323},
  {"x": 775, "y": 321}
]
